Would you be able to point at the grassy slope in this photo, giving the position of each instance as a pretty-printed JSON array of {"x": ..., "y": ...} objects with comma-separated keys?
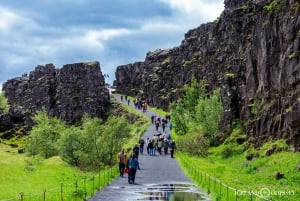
[
  {"x": 20, "y": 173},
  {"x": 256, "y": 174}
]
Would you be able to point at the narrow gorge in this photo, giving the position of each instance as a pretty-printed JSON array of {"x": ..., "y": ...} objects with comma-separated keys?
[{"x": 251, "y": 52}]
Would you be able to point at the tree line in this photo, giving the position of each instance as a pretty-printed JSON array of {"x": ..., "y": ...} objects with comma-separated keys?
[{"x": 90, "y": 145}]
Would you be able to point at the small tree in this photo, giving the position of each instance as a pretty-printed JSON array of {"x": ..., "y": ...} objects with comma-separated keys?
[
  {"x": 44, "y": 135},
  {"x": 116, "y": 131},
  {"x": 208, "y": 114},
  {"x": 70, "y": 145}
]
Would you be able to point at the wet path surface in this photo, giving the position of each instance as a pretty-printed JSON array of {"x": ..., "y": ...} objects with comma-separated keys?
[{"x": 160, "y": 178}]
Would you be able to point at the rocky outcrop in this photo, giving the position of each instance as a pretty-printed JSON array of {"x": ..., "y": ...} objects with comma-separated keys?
[
  {"x": 251, "y": 52},
  {"x": 66, "y": 93}
]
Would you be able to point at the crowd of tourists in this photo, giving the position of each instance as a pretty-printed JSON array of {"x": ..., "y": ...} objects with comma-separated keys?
[{"x": 160, "y": 144}]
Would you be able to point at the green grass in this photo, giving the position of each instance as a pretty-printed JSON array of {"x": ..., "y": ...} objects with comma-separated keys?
[
  {"x": 36, "y": 178},
  {"x": 20, "y": 173},
  {"x": 236, "y": 172}
]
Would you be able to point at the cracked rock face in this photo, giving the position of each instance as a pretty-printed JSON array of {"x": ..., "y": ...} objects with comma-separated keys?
[
  {"x": 251, "y": 52},
  {"x": 66, "y": 93}
]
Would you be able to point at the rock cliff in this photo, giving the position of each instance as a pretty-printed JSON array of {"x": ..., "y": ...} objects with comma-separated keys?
[
  {"x": 66, "y": 93},
  {"x": 251, "y": 52}
]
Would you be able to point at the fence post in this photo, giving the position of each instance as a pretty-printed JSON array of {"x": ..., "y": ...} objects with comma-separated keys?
[
  {"x": 85, "y": 190},
  {"x": 227, "y": 192},
  {"x": 235, "y": 195},
  {"x": 220, "y": 189},
  {"x": 44, "y": 198},
  {"x": 215, "y": 183},
  {"x": 99, "y": 177},
  {"x": 22, "y": 196},
  {"x": 93, "y": 184},
  {"x": 61, "y": 192},
  {"x": 209, "y": 183},
  {"x": 76, "y": 190}
]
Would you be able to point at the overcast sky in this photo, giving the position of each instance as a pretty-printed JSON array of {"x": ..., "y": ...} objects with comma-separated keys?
[{"x": 113, "y": 32}]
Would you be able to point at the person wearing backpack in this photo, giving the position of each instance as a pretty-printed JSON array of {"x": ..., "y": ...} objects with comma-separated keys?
[
  {"x": 133, "y": 166},
  {"x": 121, "y": 159}
]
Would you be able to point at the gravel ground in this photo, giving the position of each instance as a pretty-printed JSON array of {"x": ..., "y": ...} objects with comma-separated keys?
[{"x": 159, "y": 178}]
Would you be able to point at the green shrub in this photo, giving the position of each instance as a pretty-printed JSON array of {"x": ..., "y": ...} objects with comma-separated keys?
[
  {"x": 196, "y": 145},
  {"x": 89, "y": 146},
  {"x": 231, "y": 149},
  {"x": 197, "y": 110},
  {"x": 44, "y": 135},
  {"x": 273, "y": 6},
  {"x": 4, "y": 106},
  {"x": 272, "y": 147}
]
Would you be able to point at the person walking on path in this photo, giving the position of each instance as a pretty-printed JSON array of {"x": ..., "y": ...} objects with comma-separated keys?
[
  {"x": 133, "y": 166},
  {"x": 121, "y": 159},
  {"x": 136, "y": 150},
  {"x": 173, "y": 147},
  {"x": 142, "y": 144}
]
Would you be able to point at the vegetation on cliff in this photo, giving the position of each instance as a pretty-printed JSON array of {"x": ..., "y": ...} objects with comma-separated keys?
[
  {"x": 271, "y": 171},
  {"x": 196, "y": 117},
  {"x": 3, "y": 103}
]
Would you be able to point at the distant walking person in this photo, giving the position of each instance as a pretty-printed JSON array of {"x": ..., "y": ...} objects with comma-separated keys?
[
  {"x": 173, "y": 147},
  {"x": 136, "y": 150},
  {"x": 121, "y": 159},
  {"x": 142, "y": 144}
]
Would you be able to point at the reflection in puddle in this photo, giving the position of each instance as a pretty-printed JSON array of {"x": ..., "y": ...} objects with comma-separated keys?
[{"x": 173, "y": 192}]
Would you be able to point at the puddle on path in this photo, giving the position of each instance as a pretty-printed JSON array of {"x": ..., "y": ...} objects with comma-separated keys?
[
  {"x": 169, "y": 192},
  {"x": 165, "y": 192}
]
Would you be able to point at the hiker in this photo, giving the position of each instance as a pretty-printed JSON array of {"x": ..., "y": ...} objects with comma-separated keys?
[
  {"x": 166, "y": 146},
  {"x": 163, "y": 125},
  {"x": 173, "y": 147},
  {"x": 156, "y": 125},
  {"x": 142, "y": 143},
  {"x": 170, "y": 126},
  {"x": 136, "y": 150},
  {"x": 152, "y": 119},
  {"x": 147, "y": 144},
  {"x": 159, "y": 146},
  {"x": 151, "y": 148},
  {"x": 133, "y": 166},
  {"x": 121, "y": 159}
]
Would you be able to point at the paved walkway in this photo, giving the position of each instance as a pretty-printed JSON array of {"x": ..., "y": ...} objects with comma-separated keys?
[{"x": 160, "y": 178}]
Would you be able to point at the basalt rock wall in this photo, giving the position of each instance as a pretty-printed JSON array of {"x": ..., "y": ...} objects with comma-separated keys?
[
  {"x": 251, "y": 52},
  {"x": 66, "y": 93}
]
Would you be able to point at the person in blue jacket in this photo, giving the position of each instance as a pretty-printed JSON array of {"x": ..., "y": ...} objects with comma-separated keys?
[{"x": 133, "y": 166}]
